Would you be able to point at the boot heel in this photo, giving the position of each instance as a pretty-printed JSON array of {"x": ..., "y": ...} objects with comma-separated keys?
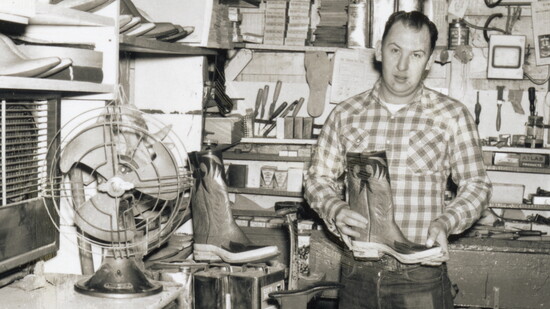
[
  {"x": 366, "y": 250},
  {"x": 200, "y": 254}
]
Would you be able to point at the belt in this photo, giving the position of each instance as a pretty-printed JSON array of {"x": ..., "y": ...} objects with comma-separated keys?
[{"x": 387, "y": 262}]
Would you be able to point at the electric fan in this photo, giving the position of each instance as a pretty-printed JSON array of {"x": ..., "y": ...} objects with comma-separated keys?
[{"x": 123, "y": 177}]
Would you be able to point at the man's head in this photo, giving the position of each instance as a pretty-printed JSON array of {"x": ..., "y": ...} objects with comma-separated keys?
[{"x": 406, "y": 53}]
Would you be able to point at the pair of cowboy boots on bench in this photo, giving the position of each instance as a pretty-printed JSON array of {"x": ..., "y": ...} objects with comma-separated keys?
[{"x": 369, "y": 192}]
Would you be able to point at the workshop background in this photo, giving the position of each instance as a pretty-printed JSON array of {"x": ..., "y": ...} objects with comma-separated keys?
[{"x": 259, "y": 78}]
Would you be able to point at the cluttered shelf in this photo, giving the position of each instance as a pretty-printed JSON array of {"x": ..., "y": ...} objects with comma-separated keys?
[
  {"x": 52, "y": 85},
  {"x": 517, "y": 169},
  {"x": 291, "y": 48},
  {"x": 232, "y": 155},
  {"x": 143, "y": 45},
  {"x": 261, "y": 191},
  {"x": 542, "y": 207}
]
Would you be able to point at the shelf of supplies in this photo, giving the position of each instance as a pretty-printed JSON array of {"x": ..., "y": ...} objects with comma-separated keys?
[
  {"x": 294, "y": 141},
  {"x": 262, "y": 191},
  {"x": 327, "y": 49},
  {"x": 51, "y": 85},
  {"x": 231, "y": 155},
  {"x": 516, "y": 149},
  {"x": 517, "y": 169},
  {"x": 143, "y": 45},
  {"x": 521, "y": 206}
]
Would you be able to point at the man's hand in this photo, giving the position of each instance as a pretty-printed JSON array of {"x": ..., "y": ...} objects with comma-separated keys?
[
  {"x": 437, "y": 234},
  {"x": 345, "y": 220}
]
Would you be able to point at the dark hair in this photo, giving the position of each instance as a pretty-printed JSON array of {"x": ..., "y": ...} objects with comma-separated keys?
[{"x": 413, "y": 19}]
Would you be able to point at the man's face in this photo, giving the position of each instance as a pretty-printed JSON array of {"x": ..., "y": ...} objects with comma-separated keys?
[{"x": 405, "y": 55}]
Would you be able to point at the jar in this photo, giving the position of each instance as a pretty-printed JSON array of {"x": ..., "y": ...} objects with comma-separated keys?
[{"x": 459, "y": 33}]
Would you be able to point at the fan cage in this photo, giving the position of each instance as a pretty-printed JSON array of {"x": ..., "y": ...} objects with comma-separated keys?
[
  {"x": 151, "y": 232},
  {"x": 23, "y": 145}
]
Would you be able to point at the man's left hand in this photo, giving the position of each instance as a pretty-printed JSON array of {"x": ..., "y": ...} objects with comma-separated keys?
[{"x": 437, "y": 234}]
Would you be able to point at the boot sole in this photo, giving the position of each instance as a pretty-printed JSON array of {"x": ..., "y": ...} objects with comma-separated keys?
[
  {"x": 372, "y": 250},
  {"x": 211, "y": 253}
]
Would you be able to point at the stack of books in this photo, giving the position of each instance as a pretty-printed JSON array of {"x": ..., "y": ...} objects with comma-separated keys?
[
  {"x": 298, "y": 22},
  {"x": 275, "y": 22},
  {"x": 332, "y": 27}
]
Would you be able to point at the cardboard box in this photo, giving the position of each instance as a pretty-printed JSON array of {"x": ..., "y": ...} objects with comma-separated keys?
[
  {"x": 225, "y": 130},
  {"x": 507, "y": 193}
]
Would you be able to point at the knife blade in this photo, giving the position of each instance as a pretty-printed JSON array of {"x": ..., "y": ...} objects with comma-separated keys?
[
  {"x": 259, "y": 97},
  {"x": 264, "y": 101}
]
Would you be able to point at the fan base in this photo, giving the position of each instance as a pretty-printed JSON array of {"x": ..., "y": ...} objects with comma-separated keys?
[{"x": 118, "y": 278}]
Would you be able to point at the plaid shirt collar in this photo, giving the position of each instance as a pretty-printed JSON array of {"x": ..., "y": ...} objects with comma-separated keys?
[{"x": 422, "y": 96}]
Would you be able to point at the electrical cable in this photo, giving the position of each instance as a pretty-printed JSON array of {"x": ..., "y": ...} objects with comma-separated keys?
[
  {"x": 538, "y": 81},
  {"x": 490, "y": 4}
]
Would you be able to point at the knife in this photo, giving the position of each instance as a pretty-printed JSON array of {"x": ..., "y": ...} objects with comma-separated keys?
[
  {"x": 259, "y": 97},
  {"x": 275, "y": 97},
  {"x": 264, "y": 101},
  {"x": 275, "y": 114},
  {"x": 500, "y": 100}
]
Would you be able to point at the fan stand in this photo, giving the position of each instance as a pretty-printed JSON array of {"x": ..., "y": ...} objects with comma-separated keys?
[{"x": 118, "y": 278}]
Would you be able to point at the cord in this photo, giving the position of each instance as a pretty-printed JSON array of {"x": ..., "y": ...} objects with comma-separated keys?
[{"x": 538, "y": 81}]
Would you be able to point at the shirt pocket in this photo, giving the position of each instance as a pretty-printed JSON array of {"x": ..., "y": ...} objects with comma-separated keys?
[
  {"x": 426, "y": 150},
  {"x": 354, "y": 139}
]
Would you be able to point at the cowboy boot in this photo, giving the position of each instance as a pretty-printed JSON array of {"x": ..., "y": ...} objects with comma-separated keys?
[
  {"x": 369, "y": 192},
  {"x": 216, "y": 235}
]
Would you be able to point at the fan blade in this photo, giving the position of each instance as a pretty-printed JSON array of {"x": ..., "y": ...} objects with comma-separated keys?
[
  {"x": 93, "y": 147},
  {"x": 159, "y": 178},
  {"x": 100, "y": 217}
]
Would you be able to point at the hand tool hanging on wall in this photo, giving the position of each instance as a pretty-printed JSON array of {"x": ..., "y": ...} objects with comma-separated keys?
[
  {"x": 477, "y": 109},
  {"x": 275, "y": 97},
  {"x": 500, "y": 100},
  {"x": 532, "y": 98}
]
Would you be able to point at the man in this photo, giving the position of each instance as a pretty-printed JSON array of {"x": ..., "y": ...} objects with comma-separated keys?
[{"x": 427, "y": 136}]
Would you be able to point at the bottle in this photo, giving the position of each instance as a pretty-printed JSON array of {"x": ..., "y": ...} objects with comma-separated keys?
[{"x": 459, "y": 34}]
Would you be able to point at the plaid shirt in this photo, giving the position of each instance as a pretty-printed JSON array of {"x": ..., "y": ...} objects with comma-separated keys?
[{"x": 426, "y": 141}]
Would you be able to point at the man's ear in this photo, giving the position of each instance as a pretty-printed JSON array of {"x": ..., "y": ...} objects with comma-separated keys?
[{"x": 378, "y": 51}]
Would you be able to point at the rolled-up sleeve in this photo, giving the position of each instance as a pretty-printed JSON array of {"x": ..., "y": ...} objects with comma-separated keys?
[
  {"x": 468, "y": 172},
  {"x": 323, "y": 185}
]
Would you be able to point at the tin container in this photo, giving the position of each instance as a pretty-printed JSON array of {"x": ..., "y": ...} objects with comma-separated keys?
[
  {"x": 359, "y": 25},
  {"x": 459, "y": 34}
]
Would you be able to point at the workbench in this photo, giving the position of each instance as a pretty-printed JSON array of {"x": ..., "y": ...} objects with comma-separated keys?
[
  {"x": 489, "y": 273},
  {"x": 58, "y": 293}
]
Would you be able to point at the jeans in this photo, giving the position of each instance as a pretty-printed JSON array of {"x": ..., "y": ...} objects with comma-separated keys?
[{"x": 388, "y": 284}]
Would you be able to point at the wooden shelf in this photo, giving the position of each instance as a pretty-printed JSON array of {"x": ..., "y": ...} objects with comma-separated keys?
[
  {"x": 35, "y": 85},
  {"x": 520, "y": 206},
  {"x": 327, "y": 49},
  {"x": 517, "y": 149},
  {"x": 514, "y": 169},
  {"x": 262, "y": 191},
  {"x": 231, "y": 155},
  {"x": 143, "y": 45},
  {"x": 293, "y": 141}
]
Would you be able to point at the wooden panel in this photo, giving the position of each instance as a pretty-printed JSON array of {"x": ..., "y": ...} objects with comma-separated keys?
[{"x": 500, "y": 279}]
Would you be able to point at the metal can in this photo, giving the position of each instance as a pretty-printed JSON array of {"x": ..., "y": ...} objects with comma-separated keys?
[{"x": 459, "y": 33}]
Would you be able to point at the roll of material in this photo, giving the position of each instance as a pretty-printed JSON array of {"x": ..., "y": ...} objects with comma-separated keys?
[{"x": 358, "y": 25}]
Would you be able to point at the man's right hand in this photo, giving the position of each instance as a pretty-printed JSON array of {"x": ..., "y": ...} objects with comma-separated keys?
[{"x": 345, "y": 220}]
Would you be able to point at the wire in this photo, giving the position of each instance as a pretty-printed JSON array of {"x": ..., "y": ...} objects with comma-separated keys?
[
  {"x": 538, "y": 81},
  {"x": 490, "y": 4}
]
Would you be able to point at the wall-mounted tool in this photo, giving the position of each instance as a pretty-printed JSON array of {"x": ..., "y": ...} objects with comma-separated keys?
[
  {"x": 500, "y": 100},
  {"x": 275, "y": 97},
  {"x": 534, "y": 128},
  {"x": 477, "y": 109}
]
